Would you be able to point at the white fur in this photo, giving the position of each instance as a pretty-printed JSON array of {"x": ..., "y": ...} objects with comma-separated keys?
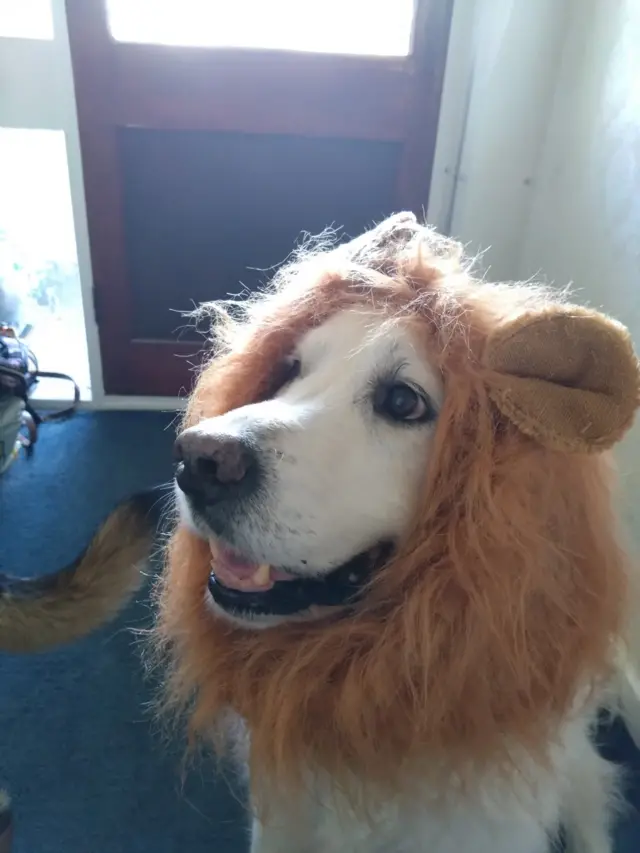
[
  {"x": 521, "y": 815},
  {"x": 340, "y": 479}
]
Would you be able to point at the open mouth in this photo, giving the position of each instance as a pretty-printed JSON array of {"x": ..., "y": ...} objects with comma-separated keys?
[{"x": 241, "y": 587}]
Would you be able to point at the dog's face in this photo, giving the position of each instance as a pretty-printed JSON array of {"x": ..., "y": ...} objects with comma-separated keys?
[{"x": 299, "y": 495}]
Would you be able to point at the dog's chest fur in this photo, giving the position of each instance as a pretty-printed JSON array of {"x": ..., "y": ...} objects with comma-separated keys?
[
  {"x": 409, "y": 828},
  {"x": 523, "y": 816}
]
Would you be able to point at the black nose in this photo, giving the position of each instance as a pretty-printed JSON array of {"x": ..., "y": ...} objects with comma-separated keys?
[{"x": 212, "y": 468}]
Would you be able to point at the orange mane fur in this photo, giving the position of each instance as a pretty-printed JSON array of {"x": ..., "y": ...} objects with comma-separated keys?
[{"x": 501, "y": 603}]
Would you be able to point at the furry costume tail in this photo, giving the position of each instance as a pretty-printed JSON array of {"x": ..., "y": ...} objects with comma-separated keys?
[{"x": 37, "y": 613}]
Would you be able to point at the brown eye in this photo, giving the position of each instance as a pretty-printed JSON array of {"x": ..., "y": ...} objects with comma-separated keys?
[
  {"x": 401, "y": 403},
  {"x": 285, "y": 373},
  {"x": 291, "y": 370}
]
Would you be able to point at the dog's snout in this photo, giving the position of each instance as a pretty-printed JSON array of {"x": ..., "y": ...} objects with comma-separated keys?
[{"x": 213, "y": 467}]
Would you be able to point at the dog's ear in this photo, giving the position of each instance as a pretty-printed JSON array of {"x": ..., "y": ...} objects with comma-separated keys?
[{"x": 566, "y": 376}]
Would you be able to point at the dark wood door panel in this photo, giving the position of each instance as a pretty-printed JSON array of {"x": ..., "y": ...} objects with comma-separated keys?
[
  {"x": 204, "y": 164},
  {"x": 208, "y": 215},
  {"x": 254, "y": 92},
  {"x": 159, "y": 368}
]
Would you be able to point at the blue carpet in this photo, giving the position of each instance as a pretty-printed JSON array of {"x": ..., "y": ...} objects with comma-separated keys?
[{"x": 88, "y": 771}]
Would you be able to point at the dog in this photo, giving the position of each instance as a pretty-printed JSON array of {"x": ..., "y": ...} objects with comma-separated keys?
[
  {"x": 396, "y": 588},
  {"x": 396, "y": 578}
]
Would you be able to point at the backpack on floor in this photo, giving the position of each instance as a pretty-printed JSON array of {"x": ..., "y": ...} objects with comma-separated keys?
[{"x": 19, "y": 375}]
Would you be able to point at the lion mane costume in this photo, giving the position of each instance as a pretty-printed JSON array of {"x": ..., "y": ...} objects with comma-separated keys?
[{"x": 504, "y": 605}]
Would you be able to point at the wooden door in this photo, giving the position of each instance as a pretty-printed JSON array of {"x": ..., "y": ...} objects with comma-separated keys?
[{"x": 204, "y": 164}]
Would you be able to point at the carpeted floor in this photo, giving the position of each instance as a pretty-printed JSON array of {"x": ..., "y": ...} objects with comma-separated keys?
[{"x": 87, "y": 770}]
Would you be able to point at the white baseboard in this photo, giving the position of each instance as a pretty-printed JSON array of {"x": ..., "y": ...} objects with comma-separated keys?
[
  {"x": 110, "y": 402},
  {"x": 56, "y": 393},
  {"x": 116, "y": 403}
]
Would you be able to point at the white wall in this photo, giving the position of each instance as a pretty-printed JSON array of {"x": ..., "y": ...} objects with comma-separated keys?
[
  {"x": 516, "y": 46},
  {"x": 584, "y": 223},
  {"x": 549, "y": 180}
]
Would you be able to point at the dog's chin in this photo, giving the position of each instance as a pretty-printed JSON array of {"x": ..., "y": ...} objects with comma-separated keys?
[{"x": 295, "y": 597}]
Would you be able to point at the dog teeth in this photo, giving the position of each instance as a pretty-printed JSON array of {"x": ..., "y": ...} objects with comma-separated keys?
[{"x": 261, "y": 575}]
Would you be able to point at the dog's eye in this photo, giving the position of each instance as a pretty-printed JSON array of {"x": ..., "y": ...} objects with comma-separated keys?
[
  {"x": 402, "y": 402},
  {"x": 287, "y": 372},
  {"x": 291, "y": 370},
  {"x": 284, "y": 373}
]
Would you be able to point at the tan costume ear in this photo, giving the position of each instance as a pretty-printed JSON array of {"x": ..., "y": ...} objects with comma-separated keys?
[{"x": 566, "y": 376}]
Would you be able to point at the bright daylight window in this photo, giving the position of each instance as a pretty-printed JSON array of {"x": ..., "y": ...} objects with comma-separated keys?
[
  {"x": 40, "y": 288},
  {"x": 27, "y": 19},
  {"x": 321, "y": 26},
  {"x": 39, "y": 281}
]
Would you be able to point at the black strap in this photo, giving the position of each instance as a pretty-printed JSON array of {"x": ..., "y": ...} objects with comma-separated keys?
[{"x": 61, "y": 413}]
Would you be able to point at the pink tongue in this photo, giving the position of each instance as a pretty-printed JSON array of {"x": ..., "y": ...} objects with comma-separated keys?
[
  {"x": 235, "y": 572},
  {"x": 235, "y": 564}
]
